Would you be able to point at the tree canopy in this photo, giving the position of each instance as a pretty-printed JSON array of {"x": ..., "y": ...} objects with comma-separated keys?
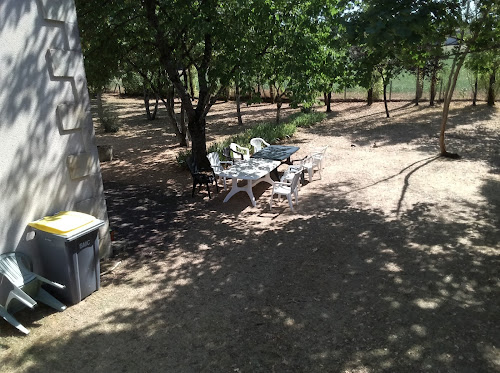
[{"x": 300, "y": 48}]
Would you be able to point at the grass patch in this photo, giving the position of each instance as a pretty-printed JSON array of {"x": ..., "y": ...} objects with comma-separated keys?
[{"x": 270, "y": 132}]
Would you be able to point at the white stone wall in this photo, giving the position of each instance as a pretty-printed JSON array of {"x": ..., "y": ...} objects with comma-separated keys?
[{"x": 48, "y": 153}]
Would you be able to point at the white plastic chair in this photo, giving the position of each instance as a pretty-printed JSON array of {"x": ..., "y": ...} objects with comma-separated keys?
[
  {"x": 241, "y": 151},
  {"x": 217, "y": 165},
  {"x": 292, "y": 170},
  {"x": 21, "y": 287},
  {"x": 315, "y": 161},
  {"x": 258, "y": 143},
  {"x": 283, "y": 188}
]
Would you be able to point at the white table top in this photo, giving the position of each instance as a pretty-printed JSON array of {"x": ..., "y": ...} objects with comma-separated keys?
[{"x": 250, "y": 169}]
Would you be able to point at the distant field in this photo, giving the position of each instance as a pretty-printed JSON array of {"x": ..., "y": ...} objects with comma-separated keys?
[{"x": 403, "y": 88}]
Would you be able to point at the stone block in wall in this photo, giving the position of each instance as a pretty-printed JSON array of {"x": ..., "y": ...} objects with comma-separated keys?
[
  {"x": 79, "y": 165},
  {"x": 73, "y": 36},
  {"x": 65, "y": 64},
  {"x": 71, "y": 116},
  {"x": 59, "y": 10}
]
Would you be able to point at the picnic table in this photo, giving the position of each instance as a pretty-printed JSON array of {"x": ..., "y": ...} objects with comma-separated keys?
[
  {"x": 277, "y": 153},
  {"x": 253, "y": 171},
  {"x": 280, "y": 153}
]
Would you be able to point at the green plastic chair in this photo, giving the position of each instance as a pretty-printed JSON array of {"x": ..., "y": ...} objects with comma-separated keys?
[{"x": 20, "y": 287}]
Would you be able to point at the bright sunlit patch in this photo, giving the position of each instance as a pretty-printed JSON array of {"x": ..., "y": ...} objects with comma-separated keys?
[
  {"x": 392, "y": 338},
  {"x": 183, "y": 282},
  {"x": 415, "y": 352},
  {"x": 289, "y": 322},
  {"x": 380, "y": 352},
  {"x": 436, "y": 249},
  {"x": 395, "y": 304},
  {"x": 392, "y": 267},
  {"x": 419, "y": 330},
  {"x": 491, "y": 354},
  {"x": 203, "y": 247},
  {"x": 398, "y": 280},
  {"x": 427, "y": 304},
  {"x": 445, "y": 358}
]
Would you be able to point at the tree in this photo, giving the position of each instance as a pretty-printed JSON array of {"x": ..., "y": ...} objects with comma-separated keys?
[
  {"x": 478, "y": 26},
  {"x": 379, "y": 29},
  {"x": 484, "y": 65},
  {"x": 300, "y": 53},
  {"x": 165, "y": 37}
]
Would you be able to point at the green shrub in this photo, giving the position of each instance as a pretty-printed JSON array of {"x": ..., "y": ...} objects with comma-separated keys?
[
  {"x": 181, "y": 158},
  {"x": 307, "y": 120},
  {"x": 133, "y": 84},
  {"x": 110, "y": 121},
  {"x": 270, "y": 132}
]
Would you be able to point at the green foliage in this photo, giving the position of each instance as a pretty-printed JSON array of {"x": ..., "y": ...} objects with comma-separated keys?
[
  {"x": 270, "y": 132},
  {"x": 133, "y": 84},
  {"x": 110, "y": 121}
]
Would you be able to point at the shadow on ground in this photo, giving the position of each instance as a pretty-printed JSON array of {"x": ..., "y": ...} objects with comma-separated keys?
[
  {"x": 362, "y": 293},
  {"x": 339, "y": 287}
]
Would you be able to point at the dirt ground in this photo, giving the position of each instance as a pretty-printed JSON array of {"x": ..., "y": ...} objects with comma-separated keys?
[{"x": 389, "y": 263}]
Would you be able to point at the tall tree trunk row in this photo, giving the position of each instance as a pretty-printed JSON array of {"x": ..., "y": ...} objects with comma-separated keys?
[{"x": 491, "y": 88}]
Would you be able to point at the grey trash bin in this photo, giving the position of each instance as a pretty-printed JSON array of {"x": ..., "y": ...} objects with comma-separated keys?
[{"x": 68, "y": 244}]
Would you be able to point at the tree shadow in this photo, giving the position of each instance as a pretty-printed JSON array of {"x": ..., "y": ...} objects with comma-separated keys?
[
  {"x": 469, "y": 129},
  {"x": 335, "y": 288}
]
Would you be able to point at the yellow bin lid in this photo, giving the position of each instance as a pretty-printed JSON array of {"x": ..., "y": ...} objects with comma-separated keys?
[{"x": 62, "y": 222}]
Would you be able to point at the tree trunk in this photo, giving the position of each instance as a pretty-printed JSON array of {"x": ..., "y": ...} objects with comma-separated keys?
[
  {"x": 271, "y": 92},
  {"x": 100, "y": 108},
  {"x": 197, "y": 125},
  {"x": 385, "y": 100},
  {"x": 278, "y": 109},
  {"x": 329, "y": 102},
  {"x": 238, "y": 105},
  {"x": 491, "y": 89},
  {"x": 370, "y": 96},
  {"x": 185, "y": 78},
  {"x": 458, "y": 61},
  {"x": 184, "y": 130},
  {"x": 433, "y": 87},
  {"x": 450, "y": 87},
  {"x": 182, "y": 119},
  {"x": 474, "y": 94},
  {"x": 191, "y": 85},
  {"x": 419, "y": 87},
  {"x": 171, "y": 120},
  {"x": 440, "y": 99},
  {"x": 150, "y": 116}
]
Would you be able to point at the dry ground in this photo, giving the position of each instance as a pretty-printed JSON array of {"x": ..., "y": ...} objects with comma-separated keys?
[{"x": 389, "y": 263}]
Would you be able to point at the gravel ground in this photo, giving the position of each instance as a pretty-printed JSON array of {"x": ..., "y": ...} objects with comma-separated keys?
[{"x": 390, "y": 261}]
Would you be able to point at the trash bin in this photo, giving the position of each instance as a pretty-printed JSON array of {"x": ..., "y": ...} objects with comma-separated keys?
[{"x": 68, "y": 244}]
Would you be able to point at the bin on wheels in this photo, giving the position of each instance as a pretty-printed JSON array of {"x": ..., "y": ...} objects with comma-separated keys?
[{"x": 68, "y": 245}]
